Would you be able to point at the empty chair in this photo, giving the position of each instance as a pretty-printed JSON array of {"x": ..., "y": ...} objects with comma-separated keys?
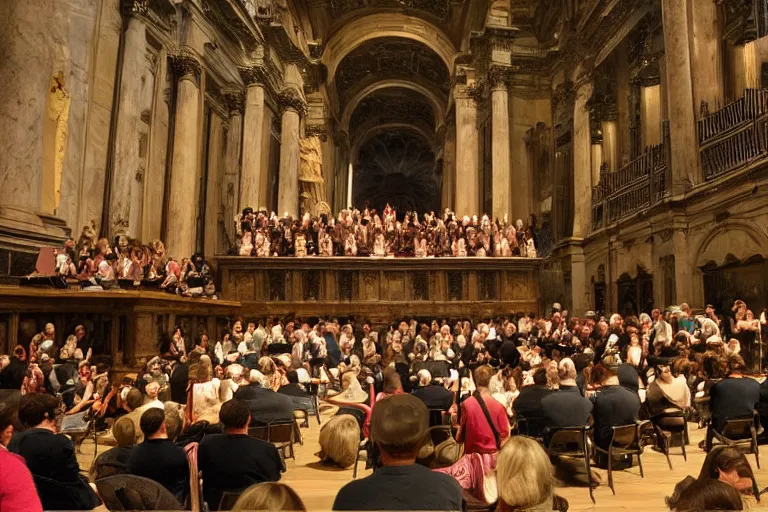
[
  {"x": 130, "y": 492},
  {"x": 572, "y": 442}
]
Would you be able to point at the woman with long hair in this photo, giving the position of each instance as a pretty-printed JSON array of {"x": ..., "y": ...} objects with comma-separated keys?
[
  {"x": 525, "y": 477},
  {"x": 340, "y": 440},
  {"x": 269, "y": 497}
]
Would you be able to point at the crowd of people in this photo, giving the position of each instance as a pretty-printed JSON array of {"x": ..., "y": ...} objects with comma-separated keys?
[
  {"x": 368, "y": 233},
  {"x": 196, "y": 402},
  {"x": 127, "y": 263}
]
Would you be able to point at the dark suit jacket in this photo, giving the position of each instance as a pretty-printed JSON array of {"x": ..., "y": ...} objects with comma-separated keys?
[
  {"x": 266, "y": 406},
  {"x": 566, "y": 408},
  {"x": 528, "y": 403},
  {"x": 434, "y": 397}
]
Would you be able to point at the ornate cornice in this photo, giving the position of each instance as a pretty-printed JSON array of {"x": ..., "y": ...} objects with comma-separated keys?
[
  {"x": 254, "y": 74},
  {"x": 185, "y": 64},
  {"x": 235, "y": 101},
  {"x": 499, "y": 76},
  {"x": 134, "y": 7},
  {"x": 291, "y": 100},
  {"x": 316, "y": 130}
]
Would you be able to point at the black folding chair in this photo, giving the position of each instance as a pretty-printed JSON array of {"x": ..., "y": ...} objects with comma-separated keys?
[
  {"x": 572, "y": 442},
  {"x": 131, "y": 492},
  {"x": 739, "y": 433},
  {"x": 625, "y": 440}
]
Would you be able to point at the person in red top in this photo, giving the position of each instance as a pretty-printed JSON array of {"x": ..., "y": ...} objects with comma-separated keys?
[
  {"x": 17, "y": 489},
  {"x": 484, "y": 429}
]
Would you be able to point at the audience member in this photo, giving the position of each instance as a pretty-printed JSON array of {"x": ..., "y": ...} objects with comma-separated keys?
[
  {"x": 666, "y": 392},
  {"x": 614, "y": 405},
  {"x": 434, "y": 396},
  {"x": 269, "y": 497},
  {"x": 17, "y": 489},
  {"x": 528, "y": 404},
  {"x": 566, "y": 407},
  {"x": 340, "y": 440},
  {"x": 733, "y": 397},
  {"x": 266, "y": 406},
  {"x": 399, "y": 427},
  {"x": 50, "y": 457},
  {"x": 232, "y": 461},
  {"x": 115, "y": 461},
  {"x": 157, "y": 458},
  {"x": 525, "y": 477}
]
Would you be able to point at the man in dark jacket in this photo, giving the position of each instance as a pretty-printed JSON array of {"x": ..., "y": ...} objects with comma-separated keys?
[
  {"x": 433, "y": 396},
  {"x": 265, "y": 405}
]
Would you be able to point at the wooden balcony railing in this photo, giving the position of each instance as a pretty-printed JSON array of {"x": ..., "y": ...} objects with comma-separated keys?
[
  {"x": 635, "y": 187},
  {"x": 735, "y": 135}
]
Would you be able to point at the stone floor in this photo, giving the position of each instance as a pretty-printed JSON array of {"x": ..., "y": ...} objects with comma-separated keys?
[{"x": 318, "y": 484}]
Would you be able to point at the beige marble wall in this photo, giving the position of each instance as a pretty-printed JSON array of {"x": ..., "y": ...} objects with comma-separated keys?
[{"x": 707, "y": 56}]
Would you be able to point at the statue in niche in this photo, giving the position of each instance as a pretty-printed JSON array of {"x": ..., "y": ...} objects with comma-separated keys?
[
  {"x": 311, "y": 180},
  {"x": 58, "y": 115}
]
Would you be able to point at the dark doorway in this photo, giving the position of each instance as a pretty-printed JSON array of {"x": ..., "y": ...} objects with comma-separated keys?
[{"x": 746, "y": 281}]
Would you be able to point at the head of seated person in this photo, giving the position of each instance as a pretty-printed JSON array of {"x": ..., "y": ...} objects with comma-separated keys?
[
  {"x": 124, "y": 432},
  {"x": 9, "y": 421},
  {"x": 38, "y": 410},
  {"x": 269, "y": 496},
  {"x": 567, "y": 372},
  {"x": 135, "y": 399},
  {"x": 399, "y": 428},
  {"x": 736, "y": 365},
  {"x": 339, "y": 440},
  {"x": 235, "y": 417},
  {"x": 292, "y": 376},
  {"x": 702, "y": 495},
  {"x": 525, "y": 476},
  {"x": 153, "y": 424}
]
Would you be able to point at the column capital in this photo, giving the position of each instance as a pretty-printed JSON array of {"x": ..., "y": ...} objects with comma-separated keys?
[
  {"x": 466, "y": 96},
  {"x": 186, "y": 64},
  {"x": 235, "y": 101},
  {"x": 291, "y": 100},
  {"x": 134, "y": 7},
  {"x": 582, "y": 81},
  {"x": 253, "y": 75},
  {"x": 499, "y": 77}
]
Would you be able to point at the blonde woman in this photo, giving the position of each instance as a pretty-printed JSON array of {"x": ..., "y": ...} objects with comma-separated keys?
[
  {"x": 525, "y": 477},
  {"x": 340, "y": 440},
  {"x": 269, "y": 497}
]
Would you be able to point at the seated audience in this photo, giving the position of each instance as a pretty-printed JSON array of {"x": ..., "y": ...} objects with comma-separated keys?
[
  {"x": 266, "y": 406},
  {"x": 50, "y": 457},
  {"x": 9, "y": 422},
  {"x": 269, "y": 497},
  {"x": 232, "y": 461},
  {"x": 293, "y": 388},
  {"x": 203, "y": 397},
  {"x": 392, "y": 384},
  {"x": 115, "y": 461},
  {"x": 525, "y": 477},
  {"x": 340, "y": 440},
  {"x": 614, "y": 405},
  {"x": 484, "y": 429},
  {"x": 434, "y": 396},
  {"x": 157, "y": 458},
  {"x": 566, "y": 407},
  {"x": 399, "y": 427},
  {"x": 733, "y": 397}
]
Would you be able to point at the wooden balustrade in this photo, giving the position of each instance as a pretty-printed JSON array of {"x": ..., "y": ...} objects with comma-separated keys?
[
  {"x": 635, "y": 187},
  {"x": 734, "y": 136}
]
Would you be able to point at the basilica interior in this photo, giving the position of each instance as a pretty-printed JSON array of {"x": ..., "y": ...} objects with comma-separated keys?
[{"x": 626, "y": 139}]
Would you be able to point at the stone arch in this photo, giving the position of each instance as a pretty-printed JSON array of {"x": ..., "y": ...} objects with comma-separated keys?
[
  {"x": 373, "y": 26},
  {"x": 424, "y": 90},
  {"x": 373, "y": 129},
  {"x": 730, "y": 242}
]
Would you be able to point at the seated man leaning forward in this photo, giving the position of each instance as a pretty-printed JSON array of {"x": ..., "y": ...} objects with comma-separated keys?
[{"x": 399, "y": 427}]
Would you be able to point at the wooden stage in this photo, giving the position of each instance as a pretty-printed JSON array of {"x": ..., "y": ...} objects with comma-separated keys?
[
  {"x": 380, "y": 289},
  {"x": 317, "y": 484}
]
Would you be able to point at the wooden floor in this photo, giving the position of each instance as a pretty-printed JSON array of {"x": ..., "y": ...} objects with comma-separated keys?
[{"x": 317, "y": 484}]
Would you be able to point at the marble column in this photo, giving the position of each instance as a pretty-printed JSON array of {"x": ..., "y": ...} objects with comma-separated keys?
[
  {"x": 500, "y": 161},
  {"x": 26, "y": 71},
  {"x": 611, "y": 153},
  {"x": 582, "y": 160},
  {"x": 707, "y": 56},
  {"x": 597, "y": 161},
  {"x": 292, "y": 107},
  {"x": 682, "y": 121},
  {"x": 231, "y": 189},
  {"x": 449, "y": 164},
  {"x": 253, "y": 132},
  {"x": 467, "y": 188},
  {"x": 181, "y": 225},
  {"x": 125, "y": 185}
]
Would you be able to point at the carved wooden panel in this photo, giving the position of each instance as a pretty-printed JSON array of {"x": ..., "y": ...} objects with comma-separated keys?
[
  {"x": 395, "y": 285},
  {"x": 277, "y": 279},
  {"x": 345, "y": 285},
  {"x": 455, "y": 285},
  {"x": 420, "y": 285},
  {"x": 244, "y": 284},
  {"x": 369, "y": 285},
  {"x": 311, "y": 285},
  {"x": 488, "y": 286}
]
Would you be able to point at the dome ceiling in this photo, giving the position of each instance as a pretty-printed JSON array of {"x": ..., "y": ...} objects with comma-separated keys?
[
  {"x": 392, "y": 105},
  {"x": 439, "y": 10}
]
